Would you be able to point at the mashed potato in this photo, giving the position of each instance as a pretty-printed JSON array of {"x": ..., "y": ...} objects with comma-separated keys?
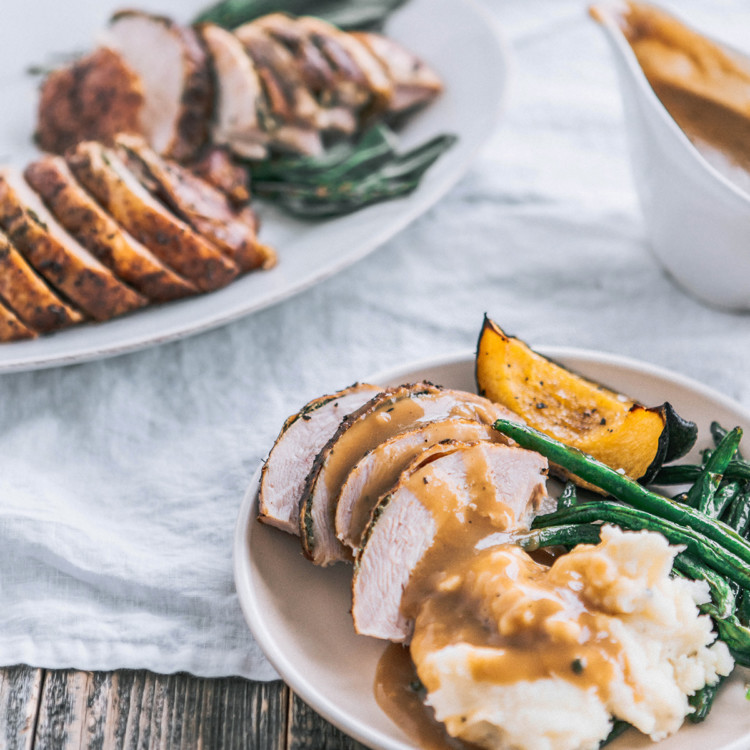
[{"x": 520, "y": 656}]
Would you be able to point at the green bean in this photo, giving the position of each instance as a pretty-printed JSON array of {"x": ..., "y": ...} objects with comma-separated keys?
[
  {"x": 738, "y": 513},
  {"x": 628, "y": 491},
  {"x": 719, "y": 433},
  {"x": 618, "y": 727},
  {"x": 553, "y": 536},
  {"x": 337, "y": 190},
  {"x": 707, "y": 550},
  {"x": 701, "y": 494},
  {"x": 702, "y": 700},
  {"x": 721, "y": 593},
  {"x": 723, "y": 499},
  {"x": 363, "y": 14},
  {"x": 342, "y": 160},
  {"x": 743, "y": 608},
  {"x": 734, "y": 634},
  {"x": 568, "y": 497},
  {"x": 689, "y": 473}
]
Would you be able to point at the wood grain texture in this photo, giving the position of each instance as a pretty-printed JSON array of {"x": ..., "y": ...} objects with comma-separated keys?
[
  {"x": 140, "y": 710},
  {"x": 19, "y": 702},
  {"x": 308, "y": 731}
]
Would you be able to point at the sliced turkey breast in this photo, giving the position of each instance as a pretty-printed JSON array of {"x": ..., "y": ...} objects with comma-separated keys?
[
  {"x": 380, "y": 468},
  {"x": 292, "y": 456},
  {"x": 215, "y": 165},
  {"x": 173, "y": 67},
  {"x": 436, "y": 507},
  {"x": 362, "y": 82},
  {"x": 315, "y": 70},
  {"x": 94, "y": 98},
  {"x": 120, "y": 193},
  {"x": 239, "y": 95},
  {"x": 28, "y": 295},
  {"x": 11, "y": 328},
  {"x": 100, "y": 234},
  {"x": 205, "y": 208},
  {"x": 289, "y": 98},
  {"x": 415, "y": 84},
  {"x": 290, "y": 122},
  {"x": 390, "y": 413},
  {"x": 57, "y": 256}
]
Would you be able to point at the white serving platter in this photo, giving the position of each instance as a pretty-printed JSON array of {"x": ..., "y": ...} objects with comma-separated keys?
[
  {"x": 299, "y": 614},
  {"x": 455, "y": 36}
]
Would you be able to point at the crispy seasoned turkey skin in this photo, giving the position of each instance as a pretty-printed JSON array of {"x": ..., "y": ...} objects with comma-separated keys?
[
  {"x": 415, "y": 84},
  {"x": 95, "y": 98},
  {"x": 390, "y": 413},
  {"x": 173, "y": 66},
  {"x": 379, "y": 469},
  {"x": 362, "y": 83},
  {"x": 291, "y": 458},
  {"x": 29, "y": 296},
  {"x": 120, "y": 193},
  {"x": 205, "y": 208},
  {"x": 289, "y": 98},
  {"x": 428, "y": 500},
  {"x": 99, "y": 233},
  {"x": 215, "y": 165},
  {"x": 239, "y": 95},
  {"x": 11, "y": 328},
  {"x": 315, "y": 71},
  {"x": 290, "y": 119},
  {"x": 57, "y": 256}
]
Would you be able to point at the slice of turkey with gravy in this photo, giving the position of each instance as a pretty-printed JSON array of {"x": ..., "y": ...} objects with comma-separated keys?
[
  {"x": 440, "y": 508},
  {"x": 379, "y": 470},
  {"x": 392, "y": 412},
  {"x": 302, "y": 437}
]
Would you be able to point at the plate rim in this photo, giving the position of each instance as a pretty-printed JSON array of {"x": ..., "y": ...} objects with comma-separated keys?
[
  {"x": 15, "y": 357},
  {"x": 240, "y": 557}
]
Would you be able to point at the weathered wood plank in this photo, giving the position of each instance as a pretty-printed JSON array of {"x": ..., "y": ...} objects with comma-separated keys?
[
  {"x": 139, "y": 710},
  {"x": 62, "y": 709},
  {"x": 309, "y": 731},
  {"x": 20, "y": 690}
]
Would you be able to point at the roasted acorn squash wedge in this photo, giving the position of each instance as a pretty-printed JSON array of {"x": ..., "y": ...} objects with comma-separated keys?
[{"x": 610, "y": 426}]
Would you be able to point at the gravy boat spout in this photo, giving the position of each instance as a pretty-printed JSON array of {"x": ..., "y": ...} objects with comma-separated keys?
[{"x": 697, "y": 218}]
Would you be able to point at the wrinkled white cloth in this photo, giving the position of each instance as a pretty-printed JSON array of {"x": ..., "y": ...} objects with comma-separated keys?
[{"x": 120, "y": 480}]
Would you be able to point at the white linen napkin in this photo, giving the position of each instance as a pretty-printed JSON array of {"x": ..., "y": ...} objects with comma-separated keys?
[{"x": 120, "y": 480}]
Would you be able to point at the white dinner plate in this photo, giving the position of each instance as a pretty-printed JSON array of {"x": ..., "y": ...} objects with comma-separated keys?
[
  {"x": 299, "y": 614},
  {"x": 455, "y": 36}
]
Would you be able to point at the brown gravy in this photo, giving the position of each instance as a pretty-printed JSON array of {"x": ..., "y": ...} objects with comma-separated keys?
[
  {"x": 526, "y": 621},
  {"x": 398, "y": 693},
  {"x": 705, "y": 88}
]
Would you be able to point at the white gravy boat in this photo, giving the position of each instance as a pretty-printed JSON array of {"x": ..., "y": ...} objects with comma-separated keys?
[{"x": 698, "y": 221}]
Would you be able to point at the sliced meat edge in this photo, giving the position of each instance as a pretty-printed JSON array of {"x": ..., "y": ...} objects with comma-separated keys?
[
  {"x": 99, "y": 233},
  {"x": 426, "y": 509},
  {"x": 57, "y": 256},
  {"x": 301, "y": 438}
]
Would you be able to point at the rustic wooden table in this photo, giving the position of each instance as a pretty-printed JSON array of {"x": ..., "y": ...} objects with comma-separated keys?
[{"x": 125, "y": 710}]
